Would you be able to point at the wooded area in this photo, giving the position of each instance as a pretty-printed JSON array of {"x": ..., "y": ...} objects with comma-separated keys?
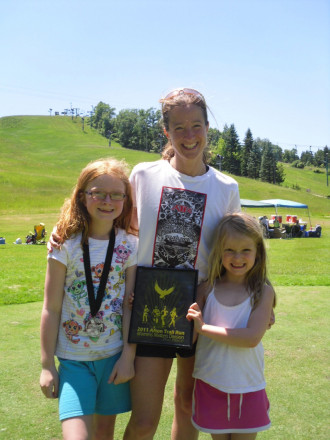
[{"x": 253, "y": 158}]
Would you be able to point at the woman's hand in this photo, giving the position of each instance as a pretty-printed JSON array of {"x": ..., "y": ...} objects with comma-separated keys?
[{"x": 54, "y": 242}]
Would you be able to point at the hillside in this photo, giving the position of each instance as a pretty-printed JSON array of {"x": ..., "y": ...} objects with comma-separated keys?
[{"x": 41, "y": 157}]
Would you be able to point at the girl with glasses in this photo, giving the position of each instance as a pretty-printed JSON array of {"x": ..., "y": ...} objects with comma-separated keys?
[{"x": 85, "y": 316}]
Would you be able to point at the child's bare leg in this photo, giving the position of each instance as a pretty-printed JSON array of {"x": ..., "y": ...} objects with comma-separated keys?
[
  {"x": 251, "y": 436},
  {"x": 77, "y": 428},
  {"x": 182, "y": 428},
  {"x": 104, "y": 427}
]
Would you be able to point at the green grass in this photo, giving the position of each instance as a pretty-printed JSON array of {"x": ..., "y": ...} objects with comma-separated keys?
[
  {"x": 296, "y": 358},
  {"x": 300, "y": 262},
  {"x": 42, "y": 157},
  {"x": 40, "y": 160},
  {"x": 307, "y": 180}
]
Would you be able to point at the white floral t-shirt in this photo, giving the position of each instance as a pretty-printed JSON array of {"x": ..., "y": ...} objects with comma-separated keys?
[{"x": 75, "y": 342}]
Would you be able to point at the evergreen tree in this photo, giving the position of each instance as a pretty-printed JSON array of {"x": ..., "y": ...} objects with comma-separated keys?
[
  {"x": 246, "y": 151},
  {"x": 213, "y": 137},
  {"x": 254, "y": 162},
  {"x": 278, "y": 153},
  {"x": 232, "y": 150},
  {"x": 268, "y": 164},
  {"x": 279, "y": 173}
]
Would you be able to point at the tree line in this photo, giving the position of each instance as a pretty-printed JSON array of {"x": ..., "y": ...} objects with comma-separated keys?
[{"x": 254, "y": 158}]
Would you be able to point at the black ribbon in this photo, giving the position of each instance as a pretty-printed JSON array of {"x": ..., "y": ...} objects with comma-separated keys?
[{"x": 95, "y": 304}]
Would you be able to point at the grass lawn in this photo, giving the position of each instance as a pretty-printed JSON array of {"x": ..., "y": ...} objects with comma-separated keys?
[
  {"x": 41, "y": 158},
  {"x": 300, "y": 261},
  {"x": 297, "y": 372}
]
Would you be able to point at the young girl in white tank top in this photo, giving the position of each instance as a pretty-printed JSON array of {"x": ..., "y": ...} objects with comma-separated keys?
[{"x": 230, "y": 400}]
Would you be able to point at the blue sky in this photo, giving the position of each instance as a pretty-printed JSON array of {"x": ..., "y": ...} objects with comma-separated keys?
[{"x": 261, "y": 64}]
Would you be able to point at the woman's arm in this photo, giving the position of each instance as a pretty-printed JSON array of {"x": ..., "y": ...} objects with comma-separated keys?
[
  {"x": 124, "y": 367},
  {"x": 239, "y": 337},
  {"x": 50, "y": 319},
  {"x": 134, "y": 220},
  {"x": 203, "y": 291}
]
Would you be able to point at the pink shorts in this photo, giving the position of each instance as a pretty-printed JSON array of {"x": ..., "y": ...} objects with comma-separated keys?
[{"x": 216, "y": 412}]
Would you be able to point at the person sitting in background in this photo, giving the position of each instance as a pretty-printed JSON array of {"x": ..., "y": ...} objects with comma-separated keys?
[
  {"x": 295, "y": 230},
  {"x": 264, "y": 222},
  {"x": 276, "y": 222}
]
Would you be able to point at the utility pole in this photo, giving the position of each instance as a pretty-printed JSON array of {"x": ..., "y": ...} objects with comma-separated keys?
[
  {"x": 326, "y": 167},
  {"x": 220, "y": 158},
  {"x": 109, "y": 133},
  {"x": 146, "y": 137},
  {"x": 91, "y": 117},
  {"x": 160, "y": 140}
]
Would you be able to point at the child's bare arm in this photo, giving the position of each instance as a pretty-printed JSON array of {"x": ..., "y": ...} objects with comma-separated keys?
[
  {"x": 239, "y": 337},
  {"x": 203, "y": 291},
  {"x": 130, "y": 300},
  {"x": 50, "y": 319},
  {"x": 123, "y": 370}
]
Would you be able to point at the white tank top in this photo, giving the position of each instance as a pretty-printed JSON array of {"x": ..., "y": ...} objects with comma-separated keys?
[{"x": 225, "y": 367}]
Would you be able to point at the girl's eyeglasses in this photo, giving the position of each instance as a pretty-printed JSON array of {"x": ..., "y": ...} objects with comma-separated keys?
[
  {"x": 102, "y": 195},
  {"x": 182, "y": 91}
]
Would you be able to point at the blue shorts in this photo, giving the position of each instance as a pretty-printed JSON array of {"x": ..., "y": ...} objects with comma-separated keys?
[{"x": 84, "y": 389}]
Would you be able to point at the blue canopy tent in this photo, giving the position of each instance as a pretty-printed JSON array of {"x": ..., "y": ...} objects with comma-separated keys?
[
  {"x": 276, "y": 203},
  {"x": 280, "y": 203},
  {"x": 245, "y": 203}
]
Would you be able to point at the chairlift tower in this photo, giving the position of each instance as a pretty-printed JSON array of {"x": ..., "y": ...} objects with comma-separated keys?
[
  {"x": 219, "y": 162},
  {"x": 109, "y": 133}
]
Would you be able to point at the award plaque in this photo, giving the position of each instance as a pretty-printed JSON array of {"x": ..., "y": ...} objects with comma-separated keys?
[{"x": 162, "y": 297}]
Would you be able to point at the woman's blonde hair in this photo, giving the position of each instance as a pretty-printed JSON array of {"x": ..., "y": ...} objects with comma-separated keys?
[
  {"x": 74, "y": 217},
  {"x": 241, "y": 223},
  {"x": 181, "y": 98}
]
